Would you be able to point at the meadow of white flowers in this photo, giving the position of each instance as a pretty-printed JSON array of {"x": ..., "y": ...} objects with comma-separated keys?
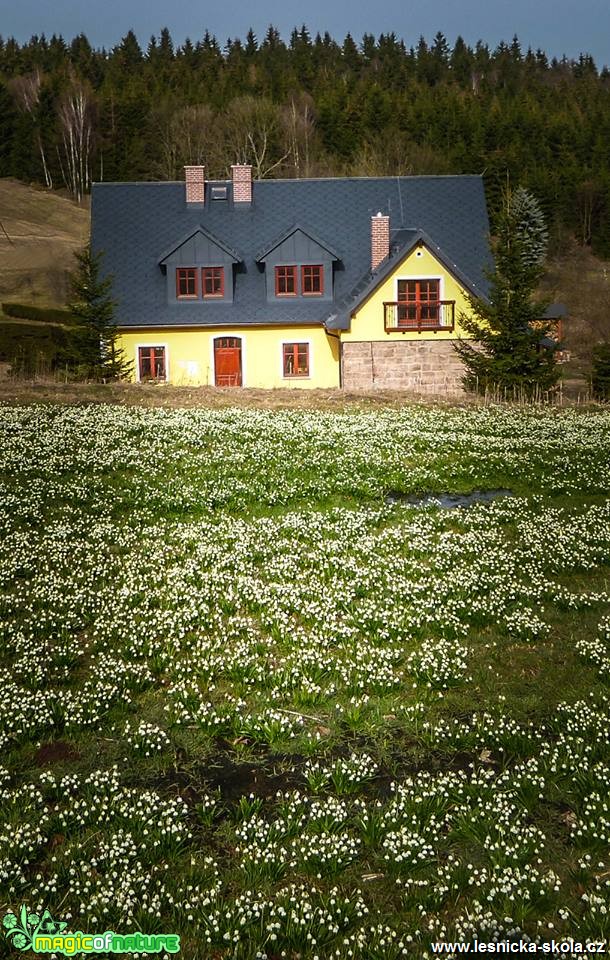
[{"x": 247, "y": 698}]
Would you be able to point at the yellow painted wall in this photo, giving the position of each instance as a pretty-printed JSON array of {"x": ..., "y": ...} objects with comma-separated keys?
[
  {"x": 368, "y": 321},
  {"x": 190, "y": 354}
]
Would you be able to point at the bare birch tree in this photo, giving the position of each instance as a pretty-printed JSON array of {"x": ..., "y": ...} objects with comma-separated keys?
[
  {"x": 253, "y": 133},
  {"x": 589, "y": 200},
  {"x": 168, "y": 138},
  {"x": 75, "y": 114},
  {"x": 26, "y": 91},
  {"x": 197, "y": 129},
  {"x": 186, "y": 136},
  {"x": 298, "y": 120}
]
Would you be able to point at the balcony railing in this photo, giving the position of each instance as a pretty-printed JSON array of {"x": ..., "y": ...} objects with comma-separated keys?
[{"x": 419, "y": 315}]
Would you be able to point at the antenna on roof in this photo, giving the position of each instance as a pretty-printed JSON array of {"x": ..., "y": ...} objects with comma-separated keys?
[{"x": 402, "y": 212}]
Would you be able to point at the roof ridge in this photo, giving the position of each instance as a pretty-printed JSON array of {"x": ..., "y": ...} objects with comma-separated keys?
[{"x": 389, "y": 179}]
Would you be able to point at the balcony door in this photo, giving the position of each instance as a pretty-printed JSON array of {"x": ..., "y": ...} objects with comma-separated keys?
[
  {"x": 227, "y": 362},
  {"x": 418, "y": 302}
]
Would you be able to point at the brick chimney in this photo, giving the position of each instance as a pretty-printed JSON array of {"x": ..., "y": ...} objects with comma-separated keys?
[
  {"x": 242, "y": 183},
  {"x": 380, "y": 239},
  {"x": 195, "y": 184}
]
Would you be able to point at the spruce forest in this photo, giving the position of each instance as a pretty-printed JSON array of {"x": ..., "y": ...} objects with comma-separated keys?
[{"x": 71, "y": 114}]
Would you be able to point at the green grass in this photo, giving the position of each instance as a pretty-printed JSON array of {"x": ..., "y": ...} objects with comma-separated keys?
[{"x": 364, "y": 701}]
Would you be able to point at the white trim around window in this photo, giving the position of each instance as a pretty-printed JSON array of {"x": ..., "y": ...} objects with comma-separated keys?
[
  {"x": 422, "y": 276},
  {"x": 309, "y": 354},
  {"x": 155, "y": 344}
]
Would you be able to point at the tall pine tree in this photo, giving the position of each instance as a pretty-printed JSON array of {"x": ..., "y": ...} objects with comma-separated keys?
[
  {"x": 510, "y": 352},
  {"x": 93, "y": 310}
]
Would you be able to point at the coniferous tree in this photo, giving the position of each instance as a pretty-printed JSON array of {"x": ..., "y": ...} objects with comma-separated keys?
[
  {"x": 379, "y": 108},
  {"x": 128, "y": 52},
  {"x": 251, "y": 43},
  {"x": 93, "y": 310},
  {"x": 510, "y": 352}
]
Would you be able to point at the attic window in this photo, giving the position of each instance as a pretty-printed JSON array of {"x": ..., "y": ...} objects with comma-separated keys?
[
  {"x": 312, "y": 280},
  {"x": 212, "y": 282},
  {"x": 186, "y": 283},
  {"x": 286, "y": 281},
  {"x": 219, "y": 193}
]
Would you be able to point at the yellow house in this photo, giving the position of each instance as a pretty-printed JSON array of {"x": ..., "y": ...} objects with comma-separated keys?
[{"x": 354, "y": 282}]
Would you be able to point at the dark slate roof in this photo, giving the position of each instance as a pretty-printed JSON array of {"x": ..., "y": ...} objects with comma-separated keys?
[
  {"x": 233, "y": 254},
  {"x": 260, "y": 257},
  {"x": 135, "y": 224},
  {"x": 555, "y": 311}
]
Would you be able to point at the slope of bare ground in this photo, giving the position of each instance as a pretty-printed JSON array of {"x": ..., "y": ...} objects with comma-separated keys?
[
  {"x": 582, "y": 282},
  {"x": 39, "y": 232}
]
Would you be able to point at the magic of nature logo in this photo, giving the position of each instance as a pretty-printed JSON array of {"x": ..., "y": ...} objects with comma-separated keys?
[{"x": 42, "y": 934}]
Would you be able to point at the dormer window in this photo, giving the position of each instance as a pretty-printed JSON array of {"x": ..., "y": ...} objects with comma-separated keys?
[
  {"x": 186, "y": 283},
  {"x": 298, "y": 264},
  {"x": 286, "y": 281},
  {"x": 212, "y": 282},
  {"x": 209, "y": 276},
  {"x": 312, "y": 280}
]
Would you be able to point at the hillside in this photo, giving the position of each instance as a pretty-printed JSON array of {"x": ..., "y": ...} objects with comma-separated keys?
[
  {"x": 314, "y": 107},
  {"x": 39, "y": 232},
  {"x": 582, "y": 281}
]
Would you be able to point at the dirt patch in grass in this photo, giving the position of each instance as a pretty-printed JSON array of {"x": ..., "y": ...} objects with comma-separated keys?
[
  {"x": 58, "y": 751},
  {"x": 230, "y": 778},
  {"x": 235, "y": 780}
]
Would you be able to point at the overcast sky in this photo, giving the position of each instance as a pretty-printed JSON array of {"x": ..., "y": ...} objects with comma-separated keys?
[{"x": 557, "y": 26}]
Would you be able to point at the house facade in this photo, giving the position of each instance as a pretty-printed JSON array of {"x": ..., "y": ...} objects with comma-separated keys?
[{"x": 353, "y": 282}]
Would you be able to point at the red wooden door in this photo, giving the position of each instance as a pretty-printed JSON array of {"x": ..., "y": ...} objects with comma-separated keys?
[{"x": 227, "y": 362}]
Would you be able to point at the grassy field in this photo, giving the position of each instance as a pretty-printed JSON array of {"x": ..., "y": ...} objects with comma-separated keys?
[{"x": 253, "y": 696}]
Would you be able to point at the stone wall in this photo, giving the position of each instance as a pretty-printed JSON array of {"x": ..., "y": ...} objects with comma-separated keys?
[{"x": 425, "y": 366}]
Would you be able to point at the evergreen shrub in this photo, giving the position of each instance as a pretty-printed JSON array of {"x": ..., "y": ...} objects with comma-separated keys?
[{"x": 25, "y": 311}]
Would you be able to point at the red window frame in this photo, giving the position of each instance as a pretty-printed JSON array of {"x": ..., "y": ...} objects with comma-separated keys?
[
  {"x": 186, "y": 277},
  {"x": 285, "y": 277},
  {"x": 312, "y": 280},
  {"x": 295, "y": 360},
  {"x": 418, "y": 301},
  {"x": 154, "y": 359},
  {"x": 214, "y": 277}
]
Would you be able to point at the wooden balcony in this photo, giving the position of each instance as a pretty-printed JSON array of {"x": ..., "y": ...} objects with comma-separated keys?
[{"x": 418, "y": 315}]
